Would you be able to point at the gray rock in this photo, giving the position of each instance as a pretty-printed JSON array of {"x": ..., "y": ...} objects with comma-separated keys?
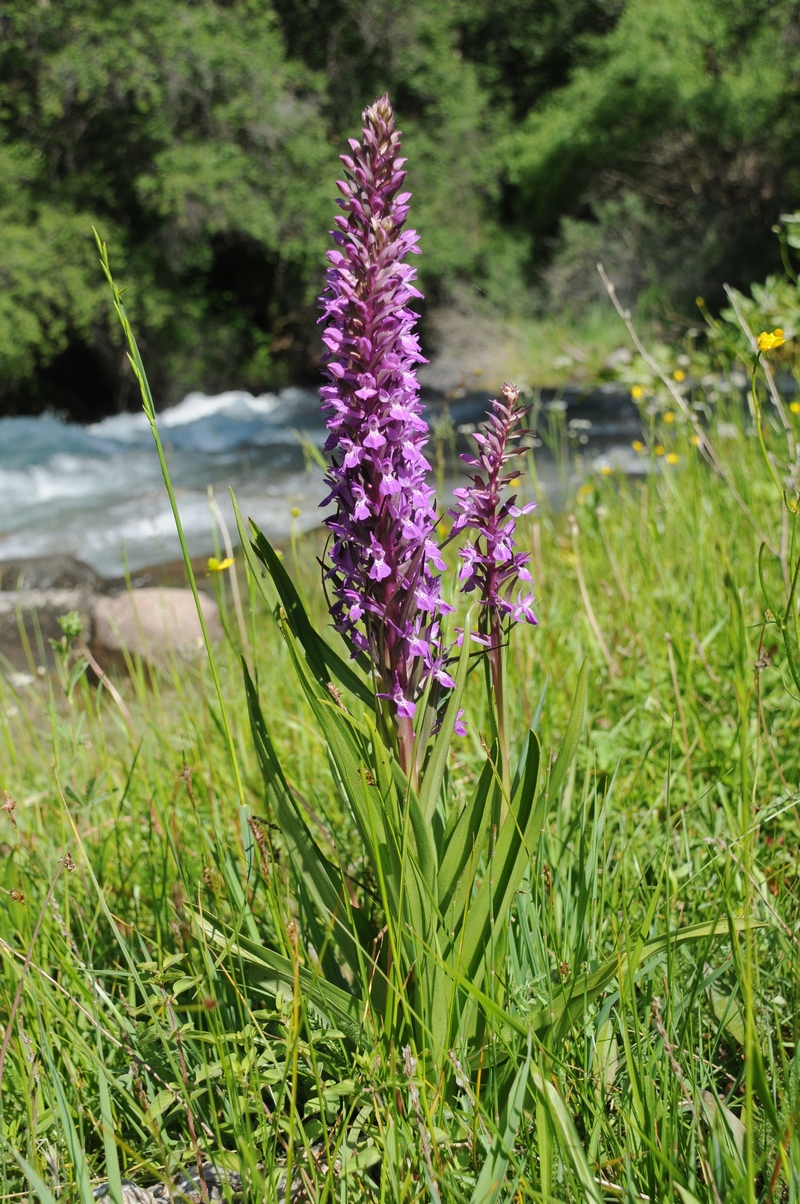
[
  {"x": 49, "y": 572},
  {"x": 29, "y": 620},
  {"x": 153, "y": 624}
]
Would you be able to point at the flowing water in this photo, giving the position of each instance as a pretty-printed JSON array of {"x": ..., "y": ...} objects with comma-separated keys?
[{"x": 95, "y": 492}]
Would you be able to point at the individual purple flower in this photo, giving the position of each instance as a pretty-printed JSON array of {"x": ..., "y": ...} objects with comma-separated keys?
[
  {"x": 383, "y": 551},
  {"x": 490, "y": 565}
]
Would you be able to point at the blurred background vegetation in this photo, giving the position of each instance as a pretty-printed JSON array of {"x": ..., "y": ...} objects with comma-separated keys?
[{"x": 201, "y": 139}]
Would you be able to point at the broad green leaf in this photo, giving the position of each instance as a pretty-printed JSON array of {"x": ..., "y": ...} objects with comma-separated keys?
[
  {"x": 571, "y": 1149},
  {"x": 463, "y": 842},
  {"x": 160, "y": 1103},
  {"x": 324, "y": 882},
  {"x": 516, "y": 845},
  {"x": 346, "y": 742},
  {"x": 490, "y": 1180}
]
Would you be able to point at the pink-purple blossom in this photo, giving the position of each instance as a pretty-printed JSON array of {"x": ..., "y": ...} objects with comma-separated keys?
[
  {"x": 489, "y": 563},
  {"x": 383, "y": 553}
]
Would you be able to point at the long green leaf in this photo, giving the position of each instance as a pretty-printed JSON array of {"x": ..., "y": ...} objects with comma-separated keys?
[
  {"x": 572, "y": 735},
  {"x": 583, "y": 990},
  {"x": 34, "y": 1178},
  {"x": 272, "y": 971},
  {"x": 70, "y": 1133},
  {"x": 324, "y": 882},
  {"x": 277, "y": 589},
  {"x": 567, "y": 1136},
  {"x": 516, "y": 845},
  {"x": 437, "y": 761},
  {"x": 113, "y": 1176},
  {"x": 462, "y": 842},
  {"x": 490, "y": 1180}
]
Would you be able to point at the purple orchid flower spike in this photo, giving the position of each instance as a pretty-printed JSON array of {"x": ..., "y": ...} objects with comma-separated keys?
[
  {"x": 383, "y": 553},
  {"x": 490, "y": 565}
]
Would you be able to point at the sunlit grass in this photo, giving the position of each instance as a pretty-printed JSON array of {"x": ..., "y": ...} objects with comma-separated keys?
[{"x": 681, "y": 809}]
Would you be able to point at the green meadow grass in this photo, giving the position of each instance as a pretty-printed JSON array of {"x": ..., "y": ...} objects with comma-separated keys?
[{"x": 136, "y": 1045}]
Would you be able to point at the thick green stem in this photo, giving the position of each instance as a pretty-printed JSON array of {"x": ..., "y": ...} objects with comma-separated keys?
[
  {"x": 500, "y": 702},
  {"x": 405, "y": 748}
]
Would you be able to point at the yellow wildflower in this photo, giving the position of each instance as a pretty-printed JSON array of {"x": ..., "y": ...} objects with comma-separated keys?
[
  {"x": 295, "y": 512},
  {"x": 514, "y": 483},
  {"x": 637, "y": 445},
  {"x": 768, "y": 342},
  {"x": 442, "y": 530},
  {"x": 660, "y": 450},
  {"x": 669, "y": 416},
  {"x": 637, "y": 392},
  {"x": 606, "y": 470},
  {"x": 673, "y": 458},
  {"x": 694, "y": 440},
  {"x": 219, "y": 566},
  {"x": 794, "y": 406},
  {"x": 679, "y": 375}
]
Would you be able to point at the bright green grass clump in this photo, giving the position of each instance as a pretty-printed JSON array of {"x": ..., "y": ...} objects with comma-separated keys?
[{"x": 134, "y": 1043}]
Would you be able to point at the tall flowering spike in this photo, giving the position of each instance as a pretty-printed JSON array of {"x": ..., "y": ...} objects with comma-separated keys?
[
  {"x": 383, "y": 551},
  {"x": 490, "y": 564}
]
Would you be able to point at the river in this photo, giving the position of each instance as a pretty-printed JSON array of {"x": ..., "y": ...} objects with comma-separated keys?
[{"x": 95, "y": 492}]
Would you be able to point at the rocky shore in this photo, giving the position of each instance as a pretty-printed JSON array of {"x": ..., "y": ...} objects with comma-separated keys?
[{"x": 151, "y": 616}]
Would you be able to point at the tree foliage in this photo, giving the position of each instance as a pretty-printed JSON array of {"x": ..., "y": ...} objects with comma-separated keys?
[
  {"x": 685, "y": 113},
  {"x": 199, "y": 137}
]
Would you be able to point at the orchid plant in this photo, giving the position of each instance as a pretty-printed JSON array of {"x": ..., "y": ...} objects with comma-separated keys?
[
  {"x": 419, "y": 960},
  {"x": 431, "y": 963}
]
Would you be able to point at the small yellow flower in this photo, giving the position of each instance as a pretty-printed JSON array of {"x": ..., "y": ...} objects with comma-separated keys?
[
  {"x": 679, "y": 375},
  {"x": 296, "y": 512},
  {"x": 219, "y": 566},
  {"x": 794, "y": 406},
  {"x": 584, "y": 490},
  {"x": 660, "y": 450},
  {"x": 514, "y": 483},
  {"x": 768, "y": 342},
  {"x": 673, "y": 458},
  {"x": 637, "y": 392},
  {"x": 606, "y": 470},
  {"x": 442, "y": 530},
  {"x": 694, "y": 440},
  {"x": 637, "y": 446},
  {"x": 669, "y": 416}
]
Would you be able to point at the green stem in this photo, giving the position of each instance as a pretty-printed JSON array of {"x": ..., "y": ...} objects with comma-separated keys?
[
  {"x": 499, "y": 701},
  {"x": 150, "y": 410},
  {"x": 757, "y": 408}
]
